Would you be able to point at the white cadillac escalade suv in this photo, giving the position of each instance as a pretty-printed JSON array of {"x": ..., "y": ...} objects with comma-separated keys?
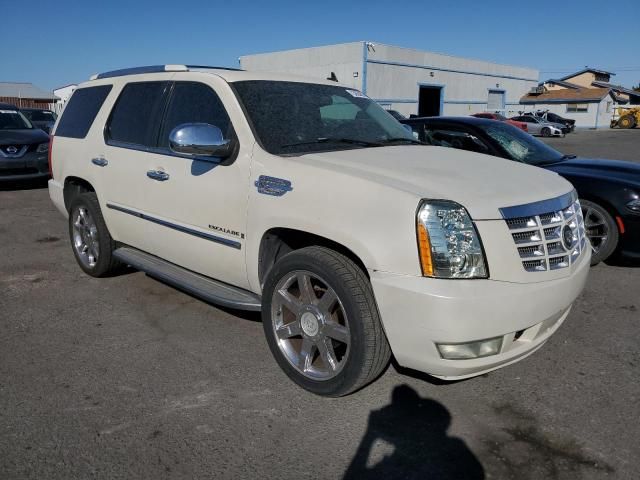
[{"x": 309, "y": 202}]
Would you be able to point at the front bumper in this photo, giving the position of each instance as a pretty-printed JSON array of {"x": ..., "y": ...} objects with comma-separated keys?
[
  {"x": 419, "y": 312},
  {"x": 30, "y": 166}
]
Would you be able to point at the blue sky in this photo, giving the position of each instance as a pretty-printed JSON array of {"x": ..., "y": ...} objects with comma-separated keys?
[{"x": 59, "y": 42}]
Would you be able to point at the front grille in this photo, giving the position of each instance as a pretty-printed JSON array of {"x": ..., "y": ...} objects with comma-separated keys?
[
  {"x": 14, "y": 151},
  {"x": 7, "y": 172},
  {"x": 551, "y": 240}
]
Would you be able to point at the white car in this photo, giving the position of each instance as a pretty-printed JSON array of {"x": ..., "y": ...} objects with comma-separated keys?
[
  {"x": 539, "y": 126},
  {"x": 306, "y": 200}
]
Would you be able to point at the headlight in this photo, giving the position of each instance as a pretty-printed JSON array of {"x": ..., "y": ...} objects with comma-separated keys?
[
  {"x": 43, "y": 148},
  {"x": 634, "y": 205},
  {"x": 448, "y": 243}
]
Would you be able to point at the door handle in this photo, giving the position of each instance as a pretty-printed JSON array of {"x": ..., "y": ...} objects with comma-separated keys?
[
  {"x": 158, "y": 175},
  {"x": 100, "y": 161}
]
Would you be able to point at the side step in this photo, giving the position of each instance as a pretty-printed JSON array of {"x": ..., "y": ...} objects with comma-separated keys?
[{"x": 198, "y": 285}]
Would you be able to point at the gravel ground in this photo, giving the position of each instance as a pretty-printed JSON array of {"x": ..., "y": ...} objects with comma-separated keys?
[{"x": 126, "y": 377}]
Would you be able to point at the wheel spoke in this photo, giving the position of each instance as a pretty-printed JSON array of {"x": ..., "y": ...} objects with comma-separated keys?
[
  {"x": 336, "y": 331},
  {"x": 290, "y": 302},
  {"x": 306, "y": 354},
  {"x": 289, "y": 330},
  {"x": 307, "y": 295},
  {"x": 325, "y": 348},
  {"x": 328, "y": 299}
]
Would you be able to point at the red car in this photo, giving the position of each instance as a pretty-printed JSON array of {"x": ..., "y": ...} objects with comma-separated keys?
[{"x": 501, "y": 118}]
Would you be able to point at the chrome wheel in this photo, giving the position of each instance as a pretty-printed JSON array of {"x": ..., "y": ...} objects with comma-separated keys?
[
  {"x": 310, "y": 325},
  {"x": 596, "y": 228},
  {"x": 85, "y": 237}
]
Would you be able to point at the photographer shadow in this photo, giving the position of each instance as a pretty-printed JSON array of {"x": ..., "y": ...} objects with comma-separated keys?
[{"x": 416, "y": 428}]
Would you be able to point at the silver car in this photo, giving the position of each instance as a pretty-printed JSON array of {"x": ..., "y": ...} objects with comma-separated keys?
[{"x": 539, "y": 126}]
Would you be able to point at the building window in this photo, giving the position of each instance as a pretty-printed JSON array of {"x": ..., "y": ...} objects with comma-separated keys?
[{"x": 577, "y": 107}]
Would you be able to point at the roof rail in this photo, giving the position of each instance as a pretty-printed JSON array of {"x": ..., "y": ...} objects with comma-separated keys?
[
  {"x": 210, "y": 67},
  {"x": 155, "y": 69}
]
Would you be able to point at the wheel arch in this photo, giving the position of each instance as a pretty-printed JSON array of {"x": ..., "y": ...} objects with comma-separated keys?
[
  {"x": 75, "y": 186},
  {"x": 278, "y": 241}
]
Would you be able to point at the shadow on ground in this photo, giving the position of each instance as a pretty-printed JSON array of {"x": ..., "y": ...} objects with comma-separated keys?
[{"x": 416, "y": 429}]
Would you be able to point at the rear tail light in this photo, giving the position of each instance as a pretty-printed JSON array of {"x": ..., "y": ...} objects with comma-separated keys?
[
  {"x": 49, "y": 156},
  {"x": 524, "y": 127}
]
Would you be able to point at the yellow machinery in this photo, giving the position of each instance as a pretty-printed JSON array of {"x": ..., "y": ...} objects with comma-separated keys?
[{"x": 626, "y": 116}]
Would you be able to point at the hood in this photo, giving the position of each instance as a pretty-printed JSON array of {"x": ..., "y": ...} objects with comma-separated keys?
[
  {"x": 23, "y": 137},
  {"x": 481, "y": 183},
  {"x": 628, "y": 172}
]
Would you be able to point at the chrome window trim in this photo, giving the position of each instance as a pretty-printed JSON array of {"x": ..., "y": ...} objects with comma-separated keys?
[
  {"x": 538, "y": 208},
  {"x": 180, "y": 228}
]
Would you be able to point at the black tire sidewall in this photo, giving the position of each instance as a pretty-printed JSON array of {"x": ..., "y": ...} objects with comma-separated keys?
[
  {"x": 613, "y": 234},
  {"x": 344, "y": 381},
  {"x": 546, "y": 132},
  {"x": 104, "y": 264}
]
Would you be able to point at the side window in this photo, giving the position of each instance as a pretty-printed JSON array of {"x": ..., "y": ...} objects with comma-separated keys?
[
  {"x": 193, "y": 102},
  {"x": 136, "y": 115},
  {"x": 81, "y": 111},
  {"x": 455, "y": 139}
]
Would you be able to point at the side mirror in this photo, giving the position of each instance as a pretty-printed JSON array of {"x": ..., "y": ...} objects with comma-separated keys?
[{"x": 199, "y": 140}]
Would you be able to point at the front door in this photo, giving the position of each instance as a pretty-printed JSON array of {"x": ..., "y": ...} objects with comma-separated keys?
[{"x": 188, "y": 211}]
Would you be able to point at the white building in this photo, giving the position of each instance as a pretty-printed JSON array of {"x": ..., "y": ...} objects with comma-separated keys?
[
  {"x": 407, "y": 80},
  {"x": 63, "y": 93}
]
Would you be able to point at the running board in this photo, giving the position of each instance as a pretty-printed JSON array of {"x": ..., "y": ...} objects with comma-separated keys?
[{"x": 198, "y": 285}]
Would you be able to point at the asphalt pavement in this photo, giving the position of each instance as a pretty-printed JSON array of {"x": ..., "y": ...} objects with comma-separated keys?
[{"x": 126, "y": 377}]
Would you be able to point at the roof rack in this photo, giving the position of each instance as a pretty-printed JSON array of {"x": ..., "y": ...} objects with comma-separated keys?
[{"x": 155, "y": 69}]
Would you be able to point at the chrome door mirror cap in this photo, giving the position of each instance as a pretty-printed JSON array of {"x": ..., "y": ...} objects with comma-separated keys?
[{"x": 199, "y": 140}]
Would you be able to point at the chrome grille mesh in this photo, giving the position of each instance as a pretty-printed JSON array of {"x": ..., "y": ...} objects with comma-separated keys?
[{"x": 549, "y": 241}]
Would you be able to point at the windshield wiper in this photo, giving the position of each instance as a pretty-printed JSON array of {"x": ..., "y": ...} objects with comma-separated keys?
[
  {"x": 567, "y": 157},
  {"x": 350, "y": 141},
  {"x": 403, "y": 139}
]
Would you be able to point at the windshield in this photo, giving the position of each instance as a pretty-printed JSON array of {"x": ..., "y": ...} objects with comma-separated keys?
[
  {"x": 297, "y": 118},
  {"x": 13, "y": 120},
  {"x": 41, "y": 116},
  {"x": 520, "y": 145},
  {"x": 500, "y": 117}
]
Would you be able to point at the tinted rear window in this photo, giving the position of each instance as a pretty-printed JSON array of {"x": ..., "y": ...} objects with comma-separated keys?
[
  {"x": 81, "y": 111},
  {"x": 135, "y": 118}
]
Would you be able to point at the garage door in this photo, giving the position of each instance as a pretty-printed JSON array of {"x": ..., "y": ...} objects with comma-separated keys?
[{"x": 495, "y": 100}]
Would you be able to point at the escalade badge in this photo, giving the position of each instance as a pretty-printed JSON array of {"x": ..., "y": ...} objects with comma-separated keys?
[
  {"x": 12, "y": 150},
  {"x": 274, "y": 186}
]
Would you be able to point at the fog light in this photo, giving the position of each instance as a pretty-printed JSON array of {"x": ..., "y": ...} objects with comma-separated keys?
[{"x": 464, "y": 351}]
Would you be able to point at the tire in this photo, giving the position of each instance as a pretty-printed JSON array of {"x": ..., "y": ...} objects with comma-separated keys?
[
  {"x": 546, "y": 132},
  {"x": 601, "y": 229},
  {"x": 342, "y": 336},
  {"x": 91, "y": 242},
  {"x": 627, "y": 121}
]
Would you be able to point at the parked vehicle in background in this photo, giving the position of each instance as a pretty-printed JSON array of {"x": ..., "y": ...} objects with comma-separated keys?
[
  {"x": 538, "y": 126},
  {"x": 609, "y": 190},
  {"x": 396, "y": 114},
  {"x": 551, "y": 117},
  {"x": 39, "y": 118},
  {"x": 23, "y": 148},
  {"x": 307, "y": 201},
  {"x": 501, "y": 118},
  {"x": 625, "y": 116}
]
